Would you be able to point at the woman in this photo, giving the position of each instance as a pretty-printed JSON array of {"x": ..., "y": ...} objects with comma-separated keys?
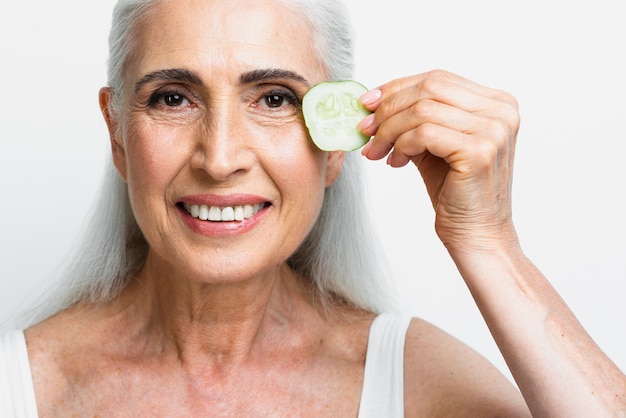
[{"x": 270, "y": 307}]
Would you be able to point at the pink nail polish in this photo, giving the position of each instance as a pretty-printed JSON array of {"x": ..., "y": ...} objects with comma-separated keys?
[
  {"x": 366, "y": 122},
  {"x": 371, "y": 96}
]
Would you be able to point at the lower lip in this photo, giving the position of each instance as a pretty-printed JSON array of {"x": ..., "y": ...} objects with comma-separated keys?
[{"x": 222, "y": 229}]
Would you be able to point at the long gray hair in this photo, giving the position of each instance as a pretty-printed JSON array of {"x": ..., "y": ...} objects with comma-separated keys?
[{"x": 340, "y": 255}]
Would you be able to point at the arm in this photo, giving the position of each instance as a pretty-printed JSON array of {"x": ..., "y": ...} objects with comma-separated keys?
[
  {"x": 461, "y": 136},
  {"x": 558, "y": 367}
]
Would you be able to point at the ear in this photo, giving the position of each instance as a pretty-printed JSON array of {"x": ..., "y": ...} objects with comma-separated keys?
[
  {"x": 334, "y": 162},
  {"x": 117, "y": 146}
]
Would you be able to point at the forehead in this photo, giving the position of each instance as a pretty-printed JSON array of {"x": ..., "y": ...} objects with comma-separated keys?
[{"x": 225, "y": 36}]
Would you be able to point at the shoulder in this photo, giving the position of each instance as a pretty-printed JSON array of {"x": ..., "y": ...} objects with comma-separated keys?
[
  {"x": 56, "y": 353},
  {"x": 444, "y": 377}
]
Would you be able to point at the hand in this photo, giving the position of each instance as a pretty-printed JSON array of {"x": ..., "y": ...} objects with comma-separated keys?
[{"x": 461, "y": 136}]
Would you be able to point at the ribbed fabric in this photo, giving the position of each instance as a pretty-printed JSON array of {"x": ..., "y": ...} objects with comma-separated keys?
[
  {"x": 383, "y": 382},
  {"x": 17, "y": 395}
]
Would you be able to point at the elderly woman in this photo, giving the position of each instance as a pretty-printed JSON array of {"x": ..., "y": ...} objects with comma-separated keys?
[{"x": 230, "y": 270}]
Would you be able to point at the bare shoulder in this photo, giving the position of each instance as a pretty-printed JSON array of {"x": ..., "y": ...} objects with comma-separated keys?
[
  {"x": 46, "y": 340},
  {"x": 51, "y": 337},
  {"x": 60, "y": 350},
  {"x": 445, "y": 377},
  {"x": 47, "y": 352}
]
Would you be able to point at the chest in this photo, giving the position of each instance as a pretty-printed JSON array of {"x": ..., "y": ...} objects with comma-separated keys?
[{"x": 294, "y": 391}]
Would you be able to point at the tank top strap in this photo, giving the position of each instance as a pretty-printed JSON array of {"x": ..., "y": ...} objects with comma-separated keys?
[
  {"x": 383, "y": 382},
  {"x": 17, "y": 394}
]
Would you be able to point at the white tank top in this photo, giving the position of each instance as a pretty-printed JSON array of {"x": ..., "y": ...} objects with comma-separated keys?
[
  {"x": 17, "y": 395},
  {"x": 383, "y": 383}
]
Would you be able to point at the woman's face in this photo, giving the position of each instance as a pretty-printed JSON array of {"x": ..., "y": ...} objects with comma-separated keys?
[{"x": 212, "y": 128}]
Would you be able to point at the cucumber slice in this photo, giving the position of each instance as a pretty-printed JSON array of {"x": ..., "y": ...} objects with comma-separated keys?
[{"x": 332, "y": 112}]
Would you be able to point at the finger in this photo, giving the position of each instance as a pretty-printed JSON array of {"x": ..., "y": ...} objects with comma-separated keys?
[
  {"x": 441, "y": 86},
  {"x": 442, "y": 91},
  {"x": 421, "y": 112},
  {"x": 406, "y": 82},
  {"x": 440, "y": 141}
]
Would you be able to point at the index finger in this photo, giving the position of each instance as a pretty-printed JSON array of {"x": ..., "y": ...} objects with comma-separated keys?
[{"x": 372, "y": 99}]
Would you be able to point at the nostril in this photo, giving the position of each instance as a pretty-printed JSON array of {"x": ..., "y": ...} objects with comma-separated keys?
[{"x": 221, "y": 158}]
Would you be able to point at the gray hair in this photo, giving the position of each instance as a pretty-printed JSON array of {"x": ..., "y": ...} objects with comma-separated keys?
[{"x": 340, "y": 255}]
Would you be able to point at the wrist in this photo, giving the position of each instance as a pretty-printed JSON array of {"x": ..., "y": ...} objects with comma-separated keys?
[{"x": 484, "y": 240}]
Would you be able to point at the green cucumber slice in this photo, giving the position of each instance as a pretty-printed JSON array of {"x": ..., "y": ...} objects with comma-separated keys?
[{"x": 332, "y": 112}]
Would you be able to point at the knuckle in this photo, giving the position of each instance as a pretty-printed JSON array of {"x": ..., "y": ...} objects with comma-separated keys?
[
  {"x": 385, "y": 135},
  {"x": 426, "y": 131},
  {"x": 434, "y": 84},
  {"x": 404, "y": 141},
  {"x": 486, "y": 152},
  {"x": 508, "y": 98},
  {"x": 498, "y": 131},
  {"x": 387, "y": 108},
  {"x": 510, "y": 112},
  {"x": 514, "y": 119},
  {"x": 495, "y": 143},
  {"x": 438, "y": 73},
  {"x": 423, "y": 107}
]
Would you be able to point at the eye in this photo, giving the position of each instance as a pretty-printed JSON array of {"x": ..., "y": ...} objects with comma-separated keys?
[
  {"x": 168, "y": 99},
  {"x": 281, "y": 99},
  {"x": 274, "y": 100},
  {"x": 173, "y": 99}
]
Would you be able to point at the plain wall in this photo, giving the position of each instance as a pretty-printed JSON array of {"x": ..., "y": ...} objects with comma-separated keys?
[{"x": 563, "y": 60}]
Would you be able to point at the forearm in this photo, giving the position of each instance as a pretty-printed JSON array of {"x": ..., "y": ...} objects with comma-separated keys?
[{"x": 556, "y": 364}]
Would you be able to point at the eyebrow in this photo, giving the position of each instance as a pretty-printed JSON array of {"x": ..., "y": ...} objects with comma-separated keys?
[
  {"x": 177, "y": 74},
  {"x": 267, "y": 74},
  {"x": 249, "y": 77}
]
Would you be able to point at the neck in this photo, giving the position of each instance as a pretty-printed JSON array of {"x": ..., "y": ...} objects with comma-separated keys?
[{"x": 224, "y": 320}]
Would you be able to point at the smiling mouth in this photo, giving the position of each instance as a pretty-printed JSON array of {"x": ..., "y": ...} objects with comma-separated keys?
[{"x": 223, "y": 214}]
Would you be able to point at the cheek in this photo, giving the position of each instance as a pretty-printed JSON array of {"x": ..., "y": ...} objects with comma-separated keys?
[
  {"x": 152, "y": 153},
  {"x": 295, "y": 161},
  {"x": 301, "y": 181},
  {"x": 152, "y": 162},
  {"x": 145, "y": 164}
]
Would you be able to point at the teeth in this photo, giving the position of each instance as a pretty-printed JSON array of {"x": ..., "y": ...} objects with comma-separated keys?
[
  {"x": 223, "y": 214},
  {"x": 203, "y": 213},
  {"x": 228, "y": 214},
  {"x": 237, "y": 213},
  {"x": 215, "y": 214}
]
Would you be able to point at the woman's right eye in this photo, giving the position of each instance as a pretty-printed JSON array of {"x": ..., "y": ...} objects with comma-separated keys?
[{"x": 168, "y": 99}]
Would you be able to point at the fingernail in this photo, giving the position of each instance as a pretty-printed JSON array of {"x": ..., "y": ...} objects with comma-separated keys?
[
  {"x": 371, "y": 96},
  {"x": 366, "y": 122},
  {"x": 366, "y": 149}
]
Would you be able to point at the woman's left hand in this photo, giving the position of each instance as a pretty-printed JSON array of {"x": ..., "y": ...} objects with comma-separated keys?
[{"x": 461, "y": 136}]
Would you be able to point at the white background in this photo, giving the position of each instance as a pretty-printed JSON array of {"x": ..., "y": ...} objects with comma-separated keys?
[{"x": 563, "y": 60}]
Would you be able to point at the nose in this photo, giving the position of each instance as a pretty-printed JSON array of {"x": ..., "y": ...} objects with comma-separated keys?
[{"x": 224, "y": 146}]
